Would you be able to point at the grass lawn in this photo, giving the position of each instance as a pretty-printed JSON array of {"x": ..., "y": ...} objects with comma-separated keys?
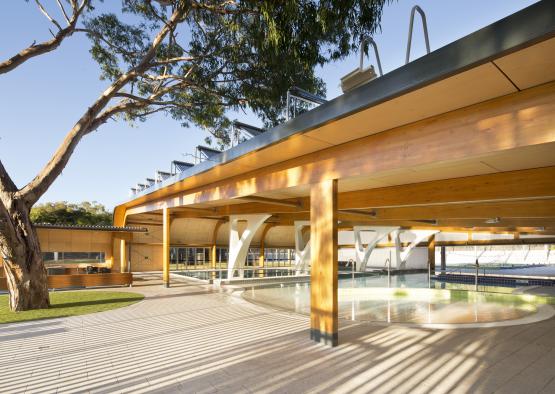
[{"x": 70, "y": 303}]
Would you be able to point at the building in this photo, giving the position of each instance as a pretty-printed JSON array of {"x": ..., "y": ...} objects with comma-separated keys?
[{"x": 461, "y": 140}]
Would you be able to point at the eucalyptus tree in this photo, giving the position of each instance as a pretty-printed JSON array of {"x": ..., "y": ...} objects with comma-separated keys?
[
  {"x": 194, "y": 61},
  {"x": 64, "y": 213}
]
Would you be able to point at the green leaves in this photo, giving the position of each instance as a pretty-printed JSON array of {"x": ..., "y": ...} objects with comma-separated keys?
[
  {"x": 62, "y": 212},
  {"x": 116, "y": 45},
  {"x": 232, "y": 55}
]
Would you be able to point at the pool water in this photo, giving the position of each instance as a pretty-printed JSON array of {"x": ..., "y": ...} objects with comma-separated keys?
[
  {"x": 407, "y": 300},
  {"x": 247, "y": 273}
]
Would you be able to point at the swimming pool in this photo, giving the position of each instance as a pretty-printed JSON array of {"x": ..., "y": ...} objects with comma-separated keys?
[
  {"x": 247, "y": 273},
  {"x": 410, "y": 300}
]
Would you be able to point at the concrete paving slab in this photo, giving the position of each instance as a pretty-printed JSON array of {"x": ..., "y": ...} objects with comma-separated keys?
[{"x": 194, "y": 338}]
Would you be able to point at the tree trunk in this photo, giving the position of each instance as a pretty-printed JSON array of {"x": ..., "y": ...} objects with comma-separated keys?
[{"x": 23, "y": 264}]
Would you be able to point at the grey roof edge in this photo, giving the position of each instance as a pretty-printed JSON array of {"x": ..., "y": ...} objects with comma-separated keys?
[
  {"x": 521, "y": 29},
  {"x": 91, "y": 227}
]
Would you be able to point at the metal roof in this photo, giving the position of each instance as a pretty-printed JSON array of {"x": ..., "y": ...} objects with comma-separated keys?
[
  {"x": 91, "y": 227},
  {"x": 519, "y": 30}
]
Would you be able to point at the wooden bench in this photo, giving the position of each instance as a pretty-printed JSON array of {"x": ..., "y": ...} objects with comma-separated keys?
[{"x": 85, "y": 280}]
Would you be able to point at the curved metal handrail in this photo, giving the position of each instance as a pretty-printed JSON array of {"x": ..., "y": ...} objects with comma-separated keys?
[
  {"x": 377, "y": 54},
  {"x": 424, "y": 26}
]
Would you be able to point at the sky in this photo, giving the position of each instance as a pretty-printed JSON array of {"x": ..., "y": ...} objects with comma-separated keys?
[{"x": 41, "y": 100}]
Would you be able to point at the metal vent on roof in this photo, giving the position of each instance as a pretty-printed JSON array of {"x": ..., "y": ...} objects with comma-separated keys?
[
  {"x": 150, "y": 182},
  {"x": 180, "y": 166},
  {"x": 241, "y": 132},
  {"x": 298, "y": 99},
  {"x": 253, "y": 131},
  {"x": 141, "y": 186},
  {"x": 206, "y": 153},
  {"x": 161, "y": 176}
]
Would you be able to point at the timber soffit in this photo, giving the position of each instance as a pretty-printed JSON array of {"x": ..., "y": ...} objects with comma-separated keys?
[{"x": 522, "y": 29}]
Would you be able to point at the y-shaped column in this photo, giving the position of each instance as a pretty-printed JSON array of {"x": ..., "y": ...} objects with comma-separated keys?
[
  {"x": 402, "y": 255},
  {"x": 239, "y": 245},
  {"x": 302, "y": 248},
  {"x": 362, "y": 254}
]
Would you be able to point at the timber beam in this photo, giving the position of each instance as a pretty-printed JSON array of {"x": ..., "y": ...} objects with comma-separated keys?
[
  {"x": 507, "y": 186},
  {"x": 500, "y": 126},
  {"x": 272, "y": 201},
  {"x": 523, "y": 193}
]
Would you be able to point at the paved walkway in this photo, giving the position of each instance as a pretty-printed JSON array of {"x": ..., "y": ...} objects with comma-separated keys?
[{"x": 192, "y": 338}]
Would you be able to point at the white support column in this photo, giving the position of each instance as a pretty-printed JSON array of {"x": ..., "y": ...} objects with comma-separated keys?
[
  {"x": 239, "y": 245},
  {"x": 362, "y": 254},
  {"x": 526, "y": 250},
  {"x": 403, "y": 254},
  {"x": 302, "y": 249},
  {"x": 396, "y": 258}
]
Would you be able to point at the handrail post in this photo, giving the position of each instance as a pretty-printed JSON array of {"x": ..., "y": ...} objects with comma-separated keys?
[
  {"x": 376, "y": 53},
  {"x": 352, "y": 272},
  {"x": 424, "y": 27},
  {"x": 429, "y": 275},
  {"x": 288, "y": 106},
  {"x": 477, "y": 272}
]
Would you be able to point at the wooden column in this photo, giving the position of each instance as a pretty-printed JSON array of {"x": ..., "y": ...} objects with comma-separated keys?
[
  {"x": 262, "y": 247},
  {"x": 432, "y": 253},
  {"x": 166, "y": 246},
  {"x": 213, "y": 253},
  {"x": 261, "y": 261},
  {"x": 323, "y": 276},
  {"x": 122, "y": 255}
]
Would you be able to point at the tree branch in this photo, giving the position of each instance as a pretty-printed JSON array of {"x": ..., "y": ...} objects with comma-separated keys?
[
  {"x": 107, "y": 42},
  {"x": 63, "y": 12},
  {"x": 45, "y": 13},
  {"x": 173, "y": 60},
  {"x": 36, "y": 188},
  {"x": 6, "y": 183},
  {"x": 223, "y": 8},
  {"x": 112, "y": 111},
  {"x": 46, "y": 46}
]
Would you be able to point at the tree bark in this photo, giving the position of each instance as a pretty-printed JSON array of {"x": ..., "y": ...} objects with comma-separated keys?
[
  {"x": 19, "y": 244},
  {"x": 23, "y": 264}
]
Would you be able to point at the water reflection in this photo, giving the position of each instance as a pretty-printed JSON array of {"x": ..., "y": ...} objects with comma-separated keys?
[
  {"x": 409, "y": 300},
  {"x": 246, "y": 273}
]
